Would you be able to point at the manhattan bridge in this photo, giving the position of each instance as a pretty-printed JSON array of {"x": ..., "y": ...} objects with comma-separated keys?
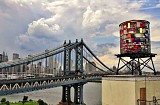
[{"x": 70, "y": 53}]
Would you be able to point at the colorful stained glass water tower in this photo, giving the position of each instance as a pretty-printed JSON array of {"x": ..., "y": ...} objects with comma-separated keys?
[{"x": 135, "y": 43}]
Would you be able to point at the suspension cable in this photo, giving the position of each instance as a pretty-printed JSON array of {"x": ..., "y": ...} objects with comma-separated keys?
[
  {"x": 93, "y": 59},
  {"x": 96, "y": 57},
  {"x": 93, "y": 64}
]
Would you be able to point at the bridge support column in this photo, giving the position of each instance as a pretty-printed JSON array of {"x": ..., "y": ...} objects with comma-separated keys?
[
  {"x": 78, "y": 94},
  {"x": 66, "y": 96},
  {"x": 63, "y": 94}
]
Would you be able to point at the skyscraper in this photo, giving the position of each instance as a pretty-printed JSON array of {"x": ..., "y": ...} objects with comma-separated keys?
[
  {"x": 3, "y": 57},
  {"x": 15, "y": 56},
  {"x": 39, "y": 68},
  {"x": 55, "y": 67},
  {"x": 89, "y": 67},
  {"x": 50, "y": 68},
  {"x": 16, "y": 69},
  {"x": 1, "y": 60}
]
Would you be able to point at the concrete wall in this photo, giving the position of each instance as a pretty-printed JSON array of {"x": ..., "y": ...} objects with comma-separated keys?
[
  {"x": 118, "y": 92},
  {"x": 126, "y": 90},
  {"x": 153, "y": 89}
]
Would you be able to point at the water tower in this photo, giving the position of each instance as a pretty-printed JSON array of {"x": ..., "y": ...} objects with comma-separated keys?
[{"x": 135, "y": 43}]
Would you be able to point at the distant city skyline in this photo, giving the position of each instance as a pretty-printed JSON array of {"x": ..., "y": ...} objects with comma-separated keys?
[{"x": 32, "y": 26}]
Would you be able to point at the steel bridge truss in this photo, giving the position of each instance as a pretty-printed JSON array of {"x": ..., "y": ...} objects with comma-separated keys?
[
  {"x": 18, "y": 86},
  {"x": 67, "y": 79}
]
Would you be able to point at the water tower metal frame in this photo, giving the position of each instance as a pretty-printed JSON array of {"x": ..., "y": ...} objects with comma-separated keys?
[
  {"x": 138, "y": 58},
  {"x": 142, "y": 55}
]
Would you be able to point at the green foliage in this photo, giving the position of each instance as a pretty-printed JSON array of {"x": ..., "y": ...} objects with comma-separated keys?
[
  {"x": 41, "y": 102},
  {"x": 7, "y": 103},
  {"x": 24, "y": 102},
  {"x": 25, "y": 98},
  {"x": 3, "y": 100}
]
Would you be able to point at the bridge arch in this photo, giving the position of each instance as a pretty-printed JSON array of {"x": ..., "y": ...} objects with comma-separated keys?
[
  {"x": 51, "y": 82},
  {"x": 36, "y": 84},
  {"x": 4, "y": 88},
  {"x": 16, "y": 86},
  {"x": 44, "y": 83},
  {"x": 26, "y": 85}
]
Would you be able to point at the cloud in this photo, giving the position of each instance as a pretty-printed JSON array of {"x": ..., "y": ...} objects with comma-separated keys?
[
  {"x": 158, "y": 6},
  {"x": 105, "y": 52},
  {"x": 35, "y": 25},
  {"x": 14, "y": 18},
  {"x": 109, "y": 60},
  {"x": 39, "y": 34},
  {"x": 103, "y": 49},
  {"x": 86, "y": 19}
]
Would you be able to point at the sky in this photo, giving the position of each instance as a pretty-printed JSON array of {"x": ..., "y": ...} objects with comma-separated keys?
[{"x": 32, "y": 26}]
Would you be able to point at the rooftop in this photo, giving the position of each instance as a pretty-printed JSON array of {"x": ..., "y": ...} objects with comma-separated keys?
[{"x": 132, "y": 77}]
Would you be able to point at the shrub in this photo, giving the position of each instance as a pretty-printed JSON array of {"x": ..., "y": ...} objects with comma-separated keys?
[{"x": 3, "y": 100}]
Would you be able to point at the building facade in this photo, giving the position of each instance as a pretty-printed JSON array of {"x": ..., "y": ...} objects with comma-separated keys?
[{"x": 130, "y": 90}]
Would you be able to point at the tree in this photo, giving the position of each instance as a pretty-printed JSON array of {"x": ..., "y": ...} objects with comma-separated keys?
[
  {"x": 45, "y": 103},
  {"x": 7, "y": 103},
  {"x": 3, "y": 100},
  {"x": 40, "y": 102},
  {"x": 25, "y": 98}
]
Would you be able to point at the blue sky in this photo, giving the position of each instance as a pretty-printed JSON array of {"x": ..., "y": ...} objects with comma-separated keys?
[
  {"x": 151, "y": 7},
  {"x": 31, "y": 26}
]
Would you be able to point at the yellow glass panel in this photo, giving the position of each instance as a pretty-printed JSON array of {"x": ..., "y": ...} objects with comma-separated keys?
[
  {"x": 140, "y": 30},
  {"x": 129, "y": 25}
]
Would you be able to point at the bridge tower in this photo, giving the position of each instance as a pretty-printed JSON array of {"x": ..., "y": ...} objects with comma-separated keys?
[
  {"x": 67, "y": 59},
  {"x": 79, "y": 57},
  {"x": 135, "y": 44},
  {"x": 78, "y": 88}
]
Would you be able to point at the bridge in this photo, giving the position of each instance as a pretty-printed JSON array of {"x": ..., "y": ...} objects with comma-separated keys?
[{"x": 74, "y": 65}]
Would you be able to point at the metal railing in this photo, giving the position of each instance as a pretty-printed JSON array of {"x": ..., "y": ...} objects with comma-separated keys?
[{"x": 155, "y": 101}]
